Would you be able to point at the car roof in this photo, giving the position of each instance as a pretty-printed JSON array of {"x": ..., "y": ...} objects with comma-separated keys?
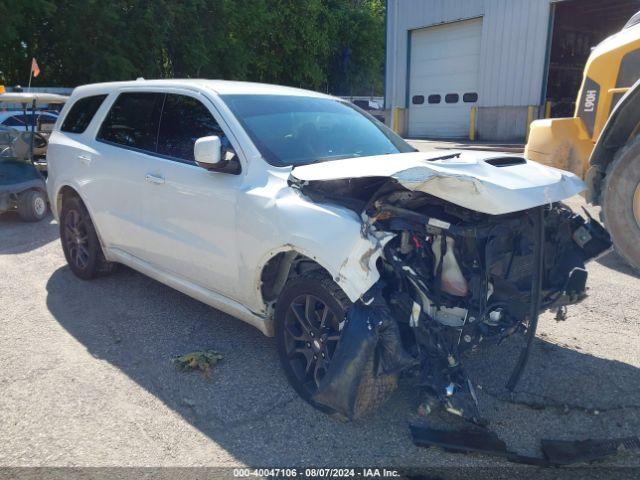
[{"x": 220, "y": 87}]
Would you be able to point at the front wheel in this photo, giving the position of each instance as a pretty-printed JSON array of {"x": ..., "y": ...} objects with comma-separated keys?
[
  {"x": 309, "y": 317},
  {"x": 621, "y": 202}
]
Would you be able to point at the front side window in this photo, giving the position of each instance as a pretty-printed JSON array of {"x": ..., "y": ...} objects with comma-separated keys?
[
  {"x": 296, "y": 130},
  {"x": 81, "y": 114},
  {"x": 133, "y": 120},
  {"x": 184, "y": 120}
]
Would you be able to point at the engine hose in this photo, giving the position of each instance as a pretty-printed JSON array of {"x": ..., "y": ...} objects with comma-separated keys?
[{"x": 536, "y": 287}]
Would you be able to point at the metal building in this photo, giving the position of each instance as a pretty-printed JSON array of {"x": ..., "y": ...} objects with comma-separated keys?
[{"x": 487, "y": 68}]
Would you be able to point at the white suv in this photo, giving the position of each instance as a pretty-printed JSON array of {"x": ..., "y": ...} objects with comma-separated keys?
[{"x": 295, "y": 211}]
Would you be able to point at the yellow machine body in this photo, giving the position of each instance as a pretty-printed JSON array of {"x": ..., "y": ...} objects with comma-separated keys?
[{"x": 567, "y": 143}]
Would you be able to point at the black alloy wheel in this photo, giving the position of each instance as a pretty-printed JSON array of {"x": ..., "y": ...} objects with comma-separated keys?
[
  {"x": 310, "y": 315},
  {"x": 80, "y": 242}
]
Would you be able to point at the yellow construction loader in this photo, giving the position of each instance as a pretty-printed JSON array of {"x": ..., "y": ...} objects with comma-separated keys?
[{"x": 601, "y": 142}]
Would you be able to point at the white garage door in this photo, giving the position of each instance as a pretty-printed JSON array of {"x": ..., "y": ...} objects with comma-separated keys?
[{"x": 443, "y": 81}]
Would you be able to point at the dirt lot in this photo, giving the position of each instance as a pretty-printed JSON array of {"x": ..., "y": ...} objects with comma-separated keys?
[{"x": 86, "y": 378}]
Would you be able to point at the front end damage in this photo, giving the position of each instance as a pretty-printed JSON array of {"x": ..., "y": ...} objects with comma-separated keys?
[{"x": 451, "y": 279}]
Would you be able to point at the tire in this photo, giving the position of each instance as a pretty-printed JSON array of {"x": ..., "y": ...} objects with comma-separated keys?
[
  {"x": 298, "y": 347},
  {"x": 32, "y": 205},
  {"x": 617, "y": 198},
  {"x": 80, "y": 242}
]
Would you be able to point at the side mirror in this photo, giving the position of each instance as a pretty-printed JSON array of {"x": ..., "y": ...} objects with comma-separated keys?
[{"x": 206, "y": 152}]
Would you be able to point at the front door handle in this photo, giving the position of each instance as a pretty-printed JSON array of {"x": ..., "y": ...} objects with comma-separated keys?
[
  {"x": 86, "y": 159},
  {"x": 157, "y": 179}
]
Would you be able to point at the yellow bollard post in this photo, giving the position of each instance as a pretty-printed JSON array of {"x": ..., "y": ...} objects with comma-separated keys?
[
  {"x": 394, "y": 119},
  {"x": 529, "y": 120},
  {"x": 472, "y": 123},
  {"x": 547, "y": 109}
]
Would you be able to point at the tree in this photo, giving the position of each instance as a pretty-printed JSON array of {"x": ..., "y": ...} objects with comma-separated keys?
[{"x": 329, "y": 45}]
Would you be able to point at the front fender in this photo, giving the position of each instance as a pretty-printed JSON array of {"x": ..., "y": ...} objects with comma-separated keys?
[{"x": 331, "y": 235}]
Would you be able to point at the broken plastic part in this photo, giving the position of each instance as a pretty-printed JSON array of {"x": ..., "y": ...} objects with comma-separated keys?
[
  {"x": 563, "y": 452},
  {"x": 556, "y": 452},
  {"x": 364, "y": 369}
]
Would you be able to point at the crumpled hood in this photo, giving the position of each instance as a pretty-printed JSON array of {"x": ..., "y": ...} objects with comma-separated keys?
[{"x": 486, "y": 182}]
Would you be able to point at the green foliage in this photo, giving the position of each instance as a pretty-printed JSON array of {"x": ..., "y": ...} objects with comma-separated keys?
[{"x": 328, "y": 45}]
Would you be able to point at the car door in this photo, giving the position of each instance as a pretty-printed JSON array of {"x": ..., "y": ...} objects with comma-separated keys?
[
  {"x": 190, "y": 211},
  {"x": 116, "y": 169}
]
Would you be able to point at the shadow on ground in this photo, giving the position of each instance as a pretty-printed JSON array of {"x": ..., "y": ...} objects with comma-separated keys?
[
  {"x": 615, "y": 262},
  {"x": 138, "y": 325},
  {"x": 26, "y": 236}
]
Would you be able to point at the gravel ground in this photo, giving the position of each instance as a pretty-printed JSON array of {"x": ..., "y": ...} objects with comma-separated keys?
[{"x": 86, "y": 377}]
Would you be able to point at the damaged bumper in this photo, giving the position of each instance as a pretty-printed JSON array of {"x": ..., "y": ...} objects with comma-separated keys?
[{"x": 450, "y": 278}]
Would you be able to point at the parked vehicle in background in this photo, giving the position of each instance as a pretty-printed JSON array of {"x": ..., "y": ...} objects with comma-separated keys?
[
  {"x": 601, "y": 142},
  {"x": 33, "y": 124},
  {"x": 24, "y": 122},
  {"x": 301, "y": 215},
  {"x": 23, "y": 146},
  {"x": 372, "y": 107}
]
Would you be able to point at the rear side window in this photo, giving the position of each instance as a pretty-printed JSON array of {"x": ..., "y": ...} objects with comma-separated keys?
[
  {"x": 133, "y": 120},
  {"x": 81, "y": 114},
  {"x": 184, "y": 120}
]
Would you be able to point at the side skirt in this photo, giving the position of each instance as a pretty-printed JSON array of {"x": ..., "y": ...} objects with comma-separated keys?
[{"x": 213, "y": 299}]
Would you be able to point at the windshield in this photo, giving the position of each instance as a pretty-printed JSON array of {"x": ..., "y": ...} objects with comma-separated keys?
[{"x": 292, "y": 130}]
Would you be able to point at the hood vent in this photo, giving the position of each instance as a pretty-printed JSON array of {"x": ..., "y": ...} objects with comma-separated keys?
[{"x": 505, "y": 161}]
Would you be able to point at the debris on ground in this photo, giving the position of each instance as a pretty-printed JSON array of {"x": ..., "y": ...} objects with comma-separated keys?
[
  {"x": 204, "y": 361},
  {"x": 556, "y": 452}
]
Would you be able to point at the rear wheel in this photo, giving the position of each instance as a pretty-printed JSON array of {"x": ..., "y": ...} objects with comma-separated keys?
[
  {"x": 309, "y": 317},
  {"x": 621, "y": 202},
  {"x": 80, "y": 242},
  {"x": 32, "y": 205}
]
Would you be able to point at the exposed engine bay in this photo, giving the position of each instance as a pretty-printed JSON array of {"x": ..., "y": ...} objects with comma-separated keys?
[{"x": 451, "y": 279}]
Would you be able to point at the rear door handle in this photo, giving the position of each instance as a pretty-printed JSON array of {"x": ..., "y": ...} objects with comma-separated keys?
[
  {"x": 86, "y": 159},
  {"x": 158, "y": 180}
]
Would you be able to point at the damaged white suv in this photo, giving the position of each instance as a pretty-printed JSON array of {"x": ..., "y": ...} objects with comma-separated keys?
[{"x": 304, "y": 216}]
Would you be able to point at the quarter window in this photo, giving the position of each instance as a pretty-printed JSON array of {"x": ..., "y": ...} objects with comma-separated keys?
[
  {"x": 81, "y": 114},
  {"x": 451, "y": 98},
  {"x": 133, "y": 120},
  {"x": 184, "y": 120}
]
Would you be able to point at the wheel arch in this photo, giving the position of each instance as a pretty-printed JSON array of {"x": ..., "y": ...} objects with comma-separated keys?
[
  {"x": 288, "y": 261},
  {"x": 65, "y": 191},
  {"x": 621, "y": 127}
]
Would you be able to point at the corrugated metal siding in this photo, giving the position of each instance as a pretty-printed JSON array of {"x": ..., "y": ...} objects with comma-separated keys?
[{"x": 514, "y": 39}]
